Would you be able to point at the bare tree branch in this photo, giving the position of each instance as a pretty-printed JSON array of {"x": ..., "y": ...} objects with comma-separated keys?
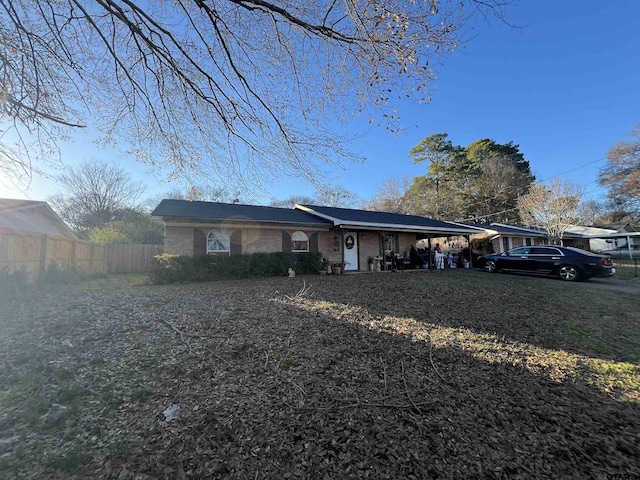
[
  {"x": 238, "y": 90},
  {"x": 554, "y": 207}
]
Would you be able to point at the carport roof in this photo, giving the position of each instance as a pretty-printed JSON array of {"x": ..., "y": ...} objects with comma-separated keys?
[{"x": 348, "y": 218}]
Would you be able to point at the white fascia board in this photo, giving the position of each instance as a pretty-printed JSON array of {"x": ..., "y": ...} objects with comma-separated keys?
[
  {"x": 408, "y": 228},
  {"x": 614, "y": 235},
  {"x": 479, "y": 229},
  {"x": 523, "y": 229},
  {"x": 386, "y": 226},
  {"x": 335, "y": 220}
]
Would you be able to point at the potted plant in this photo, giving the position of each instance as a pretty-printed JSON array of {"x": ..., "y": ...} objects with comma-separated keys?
[
  {"x": 337, "y": 268},
  {"x": 325, "y": 268}
]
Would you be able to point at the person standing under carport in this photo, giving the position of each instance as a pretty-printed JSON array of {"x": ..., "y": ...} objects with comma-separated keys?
[{"x": 439, "y": 257}]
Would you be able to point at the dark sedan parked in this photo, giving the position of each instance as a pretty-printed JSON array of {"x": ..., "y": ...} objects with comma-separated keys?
[{"x": 567, "y": 263}]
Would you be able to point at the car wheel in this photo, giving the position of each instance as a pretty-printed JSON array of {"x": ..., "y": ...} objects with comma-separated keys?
[
  {"x": 490, "y": 266},
  {"x": 569, "y": 273}
]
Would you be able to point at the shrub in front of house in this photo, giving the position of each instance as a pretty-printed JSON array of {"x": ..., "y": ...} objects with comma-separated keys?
[
  {"x": 203, "y": 268},
  {"x": 13, "y": 282},
  {"x": 167, "y": 268},
  {"x": 482, "y": 245},
  {"x": 59, "y": 275}
]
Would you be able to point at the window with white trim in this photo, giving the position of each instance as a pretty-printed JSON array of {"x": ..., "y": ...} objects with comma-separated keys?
[
  {"x": 299, "y": 242},
  {"x": 218, "y": 241}
]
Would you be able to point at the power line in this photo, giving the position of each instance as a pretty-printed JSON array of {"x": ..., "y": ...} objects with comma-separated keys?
[
  {"x": 572, "y": 170},
  {"x": 549, "y": 178}
]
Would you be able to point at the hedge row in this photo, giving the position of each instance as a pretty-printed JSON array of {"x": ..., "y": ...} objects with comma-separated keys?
[{"x": 180, "y": 269}]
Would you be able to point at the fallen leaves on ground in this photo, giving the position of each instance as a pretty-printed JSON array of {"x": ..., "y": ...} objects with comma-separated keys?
[{"x": 358, "y": 376}]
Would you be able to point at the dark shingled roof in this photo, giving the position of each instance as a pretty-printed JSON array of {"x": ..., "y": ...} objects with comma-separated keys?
[
  {"x": 214, "y": 211},
  {"x": 350, "y": 216},
  {"x": 522, "y": 231}
]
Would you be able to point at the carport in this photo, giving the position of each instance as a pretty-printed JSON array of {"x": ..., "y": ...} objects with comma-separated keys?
[
  {"x": 628, "y": 236},
  {"x": 393, "y": 232}
]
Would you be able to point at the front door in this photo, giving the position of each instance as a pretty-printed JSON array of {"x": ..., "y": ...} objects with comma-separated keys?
[{"x": 350, "y": 251}]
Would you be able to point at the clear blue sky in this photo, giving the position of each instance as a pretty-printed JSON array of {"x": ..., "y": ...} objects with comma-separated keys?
[{"x": 565, "y": 86}]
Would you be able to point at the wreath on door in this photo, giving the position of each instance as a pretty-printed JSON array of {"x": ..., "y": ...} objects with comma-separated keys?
[{"x": 349, "y": 242}]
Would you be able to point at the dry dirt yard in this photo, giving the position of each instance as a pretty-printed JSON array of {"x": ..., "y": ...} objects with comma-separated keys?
[{"x": 407, "y": 375}]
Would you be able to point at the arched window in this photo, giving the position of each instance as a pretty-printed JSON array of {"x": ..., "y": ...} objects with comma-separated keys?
[
  {"x": 299, "y": 242},
  {"x": 218, "y": 241}
]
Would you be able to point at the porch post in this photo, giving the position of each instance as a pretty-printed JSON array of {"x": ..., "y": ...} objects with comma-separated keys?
[
  {"x": 468, "y": 239},
  {"x": 342, "y": 249}
]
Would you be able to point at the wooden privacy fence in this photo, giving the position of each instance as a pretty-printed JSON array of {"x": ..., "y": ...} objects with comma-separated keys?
[
  {"x": 34, "y": 253},
  {"x": 131, "y": 258}
]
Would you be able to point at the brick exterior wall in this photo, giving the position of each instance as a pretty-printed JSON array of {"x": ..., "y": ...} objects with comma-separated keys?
[
  {"x": 256, "y": 240},
  {"x": 325, "y": 245},
  {"x": 405, "y": 240},
  {"x": 369, "y": 247},
  {"x": 178, "y": 240}
]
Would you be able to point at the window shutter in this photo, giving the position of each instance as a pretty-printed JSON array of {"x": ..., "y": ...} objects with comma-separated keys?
[
  {"x": 286, "y": 242},
  {"x": 313, "y": 243},
  {"x": 236, "y": 242},
  {"x": 199, "y": 242}
]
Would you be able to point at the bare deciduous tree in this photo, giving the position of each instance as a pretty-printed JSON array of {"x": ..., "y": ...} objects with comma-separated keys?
[
  {"x": 389, "y": 197},
  {"x": 622, "y": 174},
  {"x": 553, "y": 207},
  {"x": 293, "y": 200},
  {"x": 336, "y": 196},
  {"x": 591, "y": 211},
  {"x": 95, "y": 194},
  {"x": 238, "y": 89}
]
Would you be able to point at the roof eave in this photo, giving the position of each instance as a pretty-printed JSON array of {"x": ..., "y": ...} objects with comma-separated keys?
[
  {"x": 404, "y": 227},
  {"x": 234, "y": 221}
]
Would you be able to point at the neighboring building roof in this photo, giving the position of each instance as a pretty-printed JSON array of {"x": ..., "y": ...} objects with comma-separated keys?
[
  {"x": 185, "y": 210},
  {"x": 517, "y": 230},
  {"x": 589, "y": 230},
  {"x": 615, "y": 235},
  {"x": 352, "y": 218},
  {"x": 32, "y": 216},
  {"x": 620, "y": 227}
]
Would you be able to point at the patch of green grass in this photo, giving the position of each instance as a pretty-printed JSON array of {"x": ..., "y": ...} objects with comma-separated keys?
[
  {"x": 12, "y": 462},
  {"x": 34, "y": 408},
  {"x": 71, "y": 394},
  {"x": 141, "y": 394},
  {"x": 613, "y": 377},
  {"x": 541, "y": 311},
  {"x": 288, "y": 363},
  {"x": 628, "y": 273},
  {"x": 69, "y": 461},
  {"x": 63, "y": 375},
  {"x": 337, "y": 379},
  {"x": 97, "y": 361},
  {"x": 20, "y": 391}
]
